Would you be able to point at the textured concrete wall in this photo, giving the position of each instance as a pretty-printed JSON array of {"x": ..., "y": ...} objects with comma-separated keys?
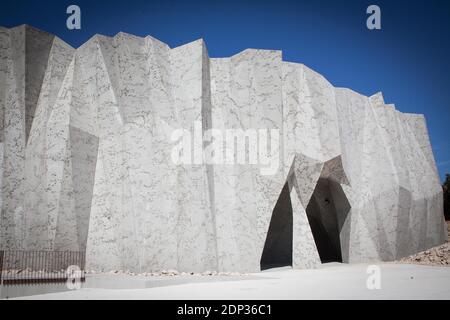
[{"x": 85, "y": 145}]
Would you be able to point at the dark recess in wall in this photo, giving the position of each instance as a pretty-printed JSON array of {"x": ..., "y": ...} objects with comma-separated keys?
[
  {"x": 278, "y": 246},
  {"x": 326, "y": 212}
]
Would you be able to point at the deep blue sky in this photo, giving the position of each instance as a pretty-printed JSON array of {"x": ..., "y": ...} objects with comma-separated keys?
[{"x": 408, "y": 60}]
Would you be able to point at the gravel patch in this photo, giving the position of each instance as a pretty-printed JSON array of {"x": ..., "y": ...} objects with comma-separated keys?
[{"x": 437, "y": 256}]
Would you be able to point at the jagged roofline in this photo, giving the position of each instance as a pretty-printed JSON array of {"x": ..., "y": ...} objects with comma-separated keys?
[
  {"x": 121, "y": 33},
  {"x": 375, "y": 98},
  {"x": 97, "y": 174}
]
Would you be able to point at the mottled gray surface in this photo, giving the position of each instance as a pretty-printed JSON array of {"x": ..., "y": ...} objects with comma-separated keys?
[
  {"x": 85, "y": 145},
  {"x": 331, "y": 281}
]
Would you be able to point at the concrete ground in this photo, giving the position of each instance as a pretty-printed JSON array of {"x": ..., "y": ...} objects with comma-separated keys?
[{"x": 332, "y": 281}]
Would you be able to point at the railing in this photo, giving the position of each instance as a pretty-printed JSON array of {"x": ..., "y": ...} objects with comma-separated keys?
[{"x": 40, "y": 267}]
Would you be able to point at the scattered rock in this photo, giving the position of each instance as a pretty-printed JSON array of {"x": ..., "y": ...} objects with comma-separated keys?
[
  {"x": 165, "y": 273},
  {"x": 437, "y": 256},
  {"x": 172, "y": 272}
]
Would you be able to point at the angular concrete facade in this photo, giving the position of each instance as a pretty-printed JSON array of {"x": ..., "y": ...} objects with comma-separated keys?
[{"x": 85, "y": 143}]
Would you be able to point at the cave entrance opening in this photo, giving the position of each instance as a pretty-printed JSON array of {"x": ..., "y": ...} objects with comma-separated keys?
[
  {"x": 277, "y": 250},
  {"x": 327, "y": 211}
]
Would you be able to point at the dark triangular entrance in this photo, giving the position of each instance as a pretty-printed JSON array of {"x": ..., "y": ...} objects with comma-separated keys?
[
  {"x": 326, "y": 212},
  {"x": 278, "y": 246}
]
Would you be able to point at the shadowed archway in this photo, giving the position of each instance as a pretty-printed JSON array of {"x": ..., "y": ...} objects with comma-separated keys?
[
  {"x": 327, "y": 211},
  {"x": 278, "y": 246}
]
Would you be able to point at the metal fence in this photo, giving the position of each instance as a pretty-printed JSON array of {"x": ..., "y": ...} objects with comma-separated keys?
[{"x": 39, "y": 267}]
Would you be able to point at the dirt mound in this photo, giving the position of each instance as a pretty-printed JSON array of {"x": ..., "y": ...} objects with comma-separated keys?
[{"x": 437, "y": 256}]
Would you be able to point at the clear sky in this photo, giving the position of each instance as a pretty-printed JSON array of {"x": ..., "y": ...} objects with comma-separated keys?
[{"x": 408, "y": 60}]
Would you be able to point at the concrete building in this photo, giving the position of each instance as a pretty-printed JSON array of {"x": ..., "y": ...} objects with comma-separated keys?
[{"x": 86, "y": 145}]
